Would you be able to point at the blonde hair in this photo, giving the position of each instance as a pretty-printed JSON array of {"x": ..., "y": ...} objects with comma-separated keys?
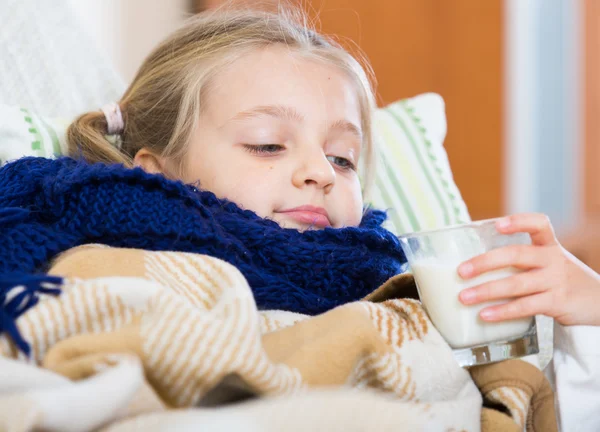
[{"x": 163, "y": 103}]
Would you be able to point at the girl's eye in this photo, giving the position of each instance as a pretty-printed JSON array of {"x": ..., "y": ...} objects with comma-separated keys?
[
  {"x": 341, "y": 162},
  {"x": 264, "y": 149}
]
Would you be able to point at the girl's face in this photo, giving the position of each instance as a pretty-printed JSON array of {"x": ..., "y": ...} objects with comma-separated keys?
[{"x": 281, "y": 136}]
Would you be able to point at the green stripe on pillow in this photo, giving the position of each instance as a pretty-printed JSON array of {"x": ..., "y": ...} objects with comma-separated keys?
[
  {"x": 413, "y": 179},
  {"x": 37, "y": 143},
  {"x": 56, "y": 151},
  {"x": 456, "y": 215},
  {"x": 426, "y": 167}
]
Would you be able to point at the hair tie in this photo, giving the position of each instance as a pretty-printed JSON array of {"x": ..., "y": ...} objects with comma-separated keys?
[{"x": 114, "y": 118}]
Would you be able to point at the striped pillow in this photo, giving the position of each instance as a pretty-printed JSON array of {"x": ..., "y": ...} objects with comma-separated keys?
[
  {"x": 413, "y": 179},
  {"x": 24, "y": 132}
]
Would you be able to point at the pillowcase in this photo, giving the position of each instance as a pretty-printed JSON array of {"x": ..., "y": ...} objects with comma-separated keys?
[
  {"x": 413, "y": 179},
  {"x": 24, "y": 132}
]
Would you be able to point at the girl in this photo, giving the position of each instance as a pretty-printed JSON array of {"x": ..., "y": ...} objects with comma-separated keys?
[
  {"x": 277, "y": 119},
  {"x": 253, "y": 107},
  {"x": 263, "y": 112}
]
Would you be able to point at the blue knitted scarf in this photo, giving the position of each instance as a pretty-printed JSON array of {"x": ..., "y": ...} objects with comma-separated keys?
[{"x": 49, "y": 206}]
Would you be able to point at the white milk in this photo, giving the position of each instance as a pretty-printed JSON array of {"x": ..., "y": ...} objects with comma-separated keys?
[{"x": 439, "y": 285}]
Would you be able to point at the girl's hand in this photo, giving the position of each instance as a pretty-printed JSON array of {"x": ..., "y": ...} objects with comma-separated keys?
[{"x": 554, "y": 283}]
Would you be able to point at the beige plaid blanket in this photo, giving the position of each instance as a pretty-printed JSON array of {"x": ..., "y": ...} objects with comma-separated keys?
[{"x": 155, "y": 341}]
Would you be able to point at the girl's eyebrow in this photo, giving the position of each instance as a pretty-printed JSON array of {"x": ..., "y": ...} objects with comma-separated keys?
[
  {"x": 279, "y": 111},
  {"x": 347, "y": 126},
  {"x": 290, "y": 113}
]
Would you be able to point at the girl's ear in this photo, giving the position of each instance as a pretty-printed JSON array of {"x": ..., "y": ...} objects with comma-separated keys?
[{"x": 150, "y": 162}]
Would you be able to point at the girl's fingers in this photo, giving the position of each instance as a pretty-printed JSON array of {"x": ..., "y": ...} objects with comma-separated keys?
[
  {"x": 537, "y": 225},
  {"x": 522, "y": 284},
  {"x": 523, "y": 307},
  {"x": 523, "y": 257}
]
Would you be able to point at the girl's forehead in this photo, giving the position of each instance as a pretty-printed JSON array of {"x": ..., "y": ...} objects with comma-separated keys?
[{"x": 279, "y": 77}]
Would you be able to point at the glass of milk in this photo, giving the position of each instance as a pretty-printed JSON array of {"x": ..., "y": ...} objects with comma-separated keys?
[{"x": 434, "y": 257}]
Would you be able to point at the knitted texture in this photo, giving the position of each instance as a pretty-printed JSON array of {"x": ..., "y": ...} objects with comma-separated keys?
[{"x": 49, "y": 206}]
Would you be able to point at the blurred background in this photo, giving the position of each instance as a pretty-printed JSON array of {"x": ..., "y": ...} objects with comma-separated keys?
[{"x": 521, "y": 81}]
